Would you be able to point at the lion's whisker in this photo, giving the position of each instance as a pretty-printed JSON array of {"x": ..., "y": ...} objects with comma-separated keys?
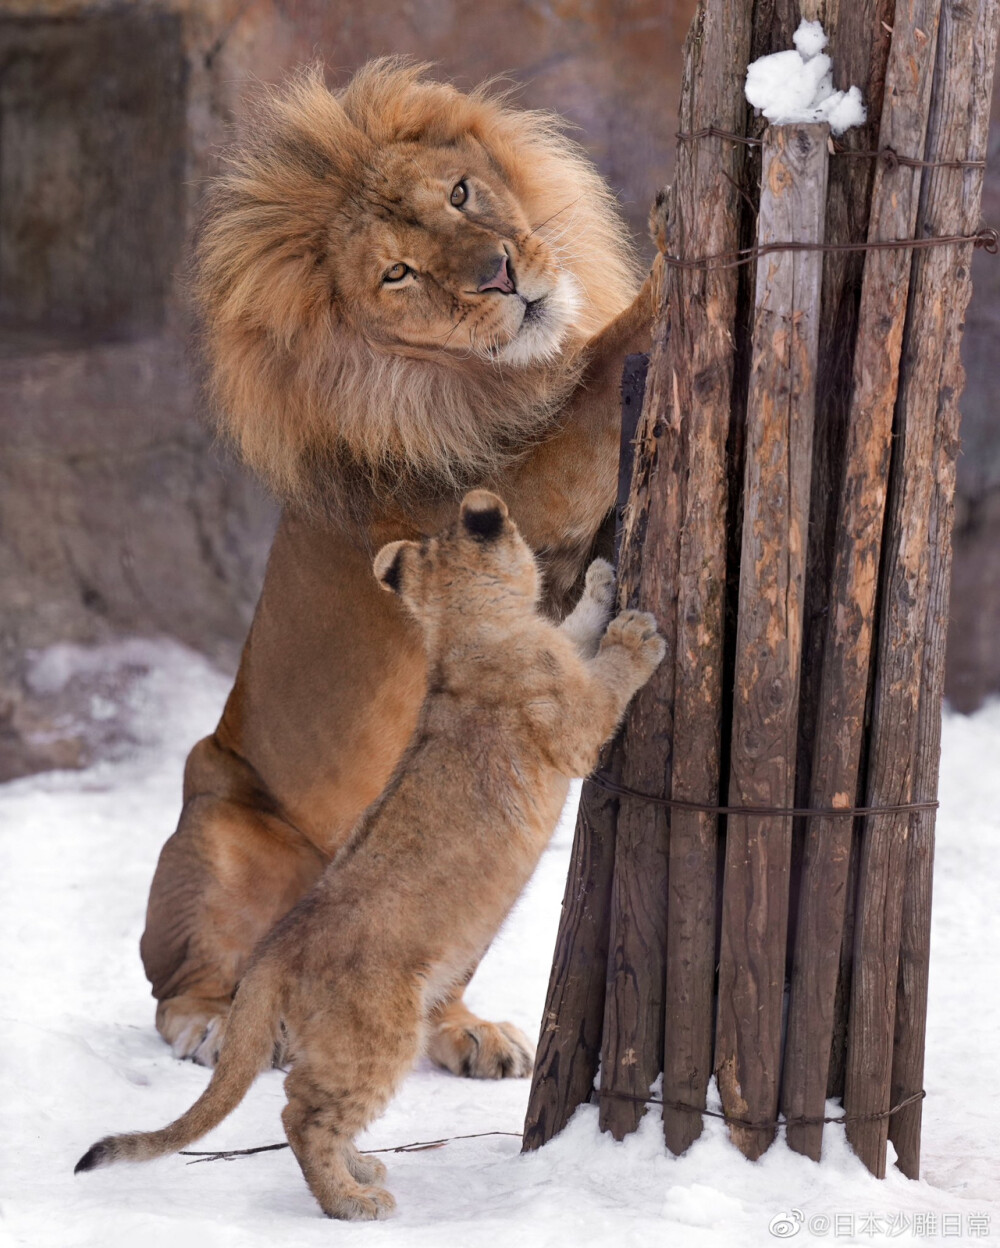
[{"x": 535, "y": 228}]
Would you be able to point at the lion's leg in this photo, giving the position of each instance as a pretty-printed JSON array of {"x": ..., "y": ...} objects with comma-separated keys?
[
  {"x": 224, "y": 878},
  {"x": 470, "y": 1046}
]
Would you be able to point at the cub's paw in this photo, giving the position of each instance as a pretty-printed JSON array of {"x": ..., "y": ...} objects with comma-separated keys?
[
  {"x": 599, "y": 585},
  {"x": 364, "y": 1167},
  {"x": 362, "y": 1204},
  {"x": 481, "y": 1050},
  {"x": 586, "y": 623},
  {"x": 635, "y": 631}
]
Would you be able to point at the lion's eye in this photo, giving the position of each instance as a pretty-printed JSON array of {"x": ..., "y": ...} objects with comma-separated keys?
[
  {"x": 459, "y": 194},
  {"x": 396, "y": 273}
]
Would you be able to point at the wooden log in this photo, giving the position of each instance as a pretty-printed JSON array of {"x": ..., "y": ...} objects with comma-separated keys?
[
  {"x": 928, "y": 425},
  {"x": 840, "y": 723},
  {"x": 569, "y": 1044},
  {"x": 860, "y": 32},
  {"x": 706, "y": 409},
  {"x": 883, "y": 848},
  {"x": 634, "y": 973},
  {"x": 690, "y": 382},
  {"x": 780, "y": 413},
  {"x": 631, "y": 1042},
  {"x": 689, "y": 991}
]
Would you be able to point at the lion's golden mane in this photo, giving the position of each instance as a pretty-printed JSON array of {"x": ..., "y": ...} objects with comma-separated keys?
[{"x": 324, "y": 415}]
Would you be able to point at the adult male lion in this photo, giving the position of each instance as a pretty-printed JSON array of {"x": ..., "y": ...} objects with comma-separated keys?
[{"x": 407, "y": 291}]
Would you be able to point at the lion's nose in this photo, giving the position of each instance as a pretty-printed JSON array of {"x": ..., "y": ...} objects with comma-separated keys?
[{"x": 502, "y": 280}]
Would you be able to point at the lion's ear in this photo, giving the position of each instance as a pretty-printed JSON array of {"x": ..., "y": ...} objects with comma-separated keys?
[
  {"x": 483, "y": 515},
  {"x": 388, "y": 566}
]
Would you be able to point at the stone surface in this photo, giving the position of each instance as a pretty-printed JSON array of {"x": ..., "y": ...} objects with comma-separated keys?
[{"x": 118, "y": 516}]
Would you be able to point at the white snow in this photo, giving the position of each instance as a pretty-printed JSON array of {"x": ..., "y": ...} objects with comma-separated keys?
[
  {"x": 81, "y": 1057},
  {"x": 797, "y": 85},
  {"x": 810, "y": 38}
]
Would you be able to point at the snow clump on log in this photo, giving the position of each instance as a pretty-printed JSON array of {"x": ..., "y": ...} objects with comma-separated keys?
[{"x": 797, "y": 85}]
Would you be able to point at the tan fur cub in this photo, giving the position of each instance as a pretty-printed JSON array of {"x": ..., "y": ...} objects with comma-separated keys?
[{"x": 515, "y": 705}]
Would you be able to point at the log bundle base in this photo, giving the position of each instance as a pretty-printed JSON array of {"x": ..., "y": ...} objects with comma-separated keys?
[{"x": 788, "y": 520}]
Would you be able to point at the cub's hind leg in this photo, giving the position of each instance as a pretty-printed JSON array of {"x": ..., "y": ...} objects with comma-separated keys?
[
  {"x": 328, "y": 1160},
  {"x": 349, "y": 1061}
]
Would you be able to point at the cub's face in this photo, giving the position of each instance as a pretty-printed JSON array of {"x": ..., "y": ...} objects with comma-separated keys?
[
  {"x": 477, "y": 570},
  {"x": 435, "y": 252}
]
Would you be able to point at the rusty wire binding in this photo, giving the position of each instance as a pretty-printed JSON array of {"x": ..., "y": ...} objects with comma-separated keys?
[
  {"x": 888, "y": 155},
  {"x": 791, "y": 812},
  {"x": 986, "y": 239},
  {"x": 797, "y": 1120}
]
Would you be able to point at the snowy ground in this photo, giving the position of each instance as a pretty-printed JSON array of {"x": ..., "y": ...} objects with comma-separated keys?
[{"x": 80, "y": 1056}]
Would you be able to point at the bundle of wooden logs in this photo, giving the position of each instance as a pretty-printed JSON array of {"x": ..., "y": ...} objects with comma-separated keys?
[{"x": 788, "y": 520}]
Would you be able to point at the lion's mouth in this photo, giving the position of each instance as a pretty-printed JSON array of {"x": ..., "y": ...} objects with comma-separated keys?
[
  {"x": 544, "y": 324},
  {"x": 534, "y": 310}
]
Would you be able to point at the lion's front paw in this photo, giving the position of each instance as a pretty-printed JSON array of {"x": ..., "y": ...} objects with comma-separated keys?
[
  {"x": 194, "y": 1027},
  {"x": 481, "y": 1050},
  {"x": 635, "y": 631}
]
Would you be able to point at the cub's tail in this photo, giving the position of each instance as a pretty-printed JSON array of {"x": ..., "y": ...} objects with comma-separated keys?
[{"x": 246, "y": 1049}]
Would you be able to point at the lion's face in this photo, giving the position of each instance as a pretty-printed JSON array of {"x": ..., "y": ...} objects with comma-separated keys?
[
  {"x": 442, "y": 256},
  {"x": 398, "y": 280}
]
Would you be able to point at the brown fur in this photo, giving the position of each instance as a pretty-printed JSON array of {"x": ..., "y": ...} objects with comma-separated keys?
[
  {"x": 515, "y": 705},
  {"x": 368, "y": 409}
]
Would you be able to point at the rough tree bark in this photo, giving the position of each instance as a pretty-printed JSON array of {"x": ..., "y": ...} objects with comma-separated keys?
[{"x": 861, "y": 725}]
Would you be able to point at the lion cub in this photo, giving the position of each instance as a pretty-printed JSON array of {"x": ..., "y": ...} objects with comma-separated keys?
[{"x": 514, "y": 706}]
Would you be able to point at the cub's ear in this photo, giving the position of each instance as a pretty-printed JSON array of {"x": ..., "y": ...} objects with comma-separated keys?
[
  {"x": 388, "y": 566},
  {"x": 483, "y": 515}
]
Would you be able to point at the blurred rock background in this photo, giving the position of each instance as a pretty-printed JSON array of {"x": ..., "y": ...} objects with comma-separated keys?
[{"x": 118, "y": 515}]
